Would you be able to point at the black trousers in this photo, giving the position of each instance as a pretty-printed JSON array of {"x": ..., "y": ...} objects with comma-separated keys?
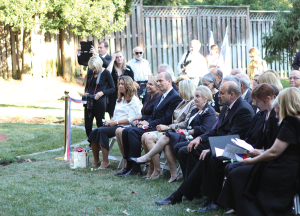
[
  {"x": 102, "y": 135},
  {"x": 231, "y": 166},
  {"x": 213, "y": 180},
  {"x": 191, "y": 187},
  {"x": 98, "y": 111},
  {"x": 131, "y": 139},
  {"x": 188, "y": 160}
]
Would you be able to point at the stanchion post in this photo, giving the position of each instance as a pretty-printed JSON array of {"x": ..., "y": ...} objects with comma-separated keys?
[{"x": 66, "y": 118}]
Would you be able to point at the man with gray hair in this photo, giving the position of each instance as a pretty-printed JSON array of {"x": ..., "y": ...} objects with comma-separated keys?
[
  {"x": 294, "y": 79},
  {"x": 231, "y": 78},
  {"x": 218, "y": 74},
  {"x": 245, "y": 87},
  {"x": 236, "y": 71}
]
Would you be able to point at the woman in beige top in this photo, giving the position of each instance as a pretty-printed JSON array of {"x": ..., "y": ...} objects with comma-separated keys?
[{"x": 179, "y": 120}]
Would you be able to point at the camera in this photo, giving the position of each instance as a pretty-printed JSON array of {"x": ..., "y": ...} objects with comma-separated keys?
[
  {"x": 183, "y": 65},
  {"x": 88, "y": 100},
  {"x": 85, "y": 52}
]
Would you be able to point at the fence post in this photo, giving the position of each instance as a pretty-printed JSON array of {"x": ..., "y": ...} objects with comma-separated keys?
[
  {"x": 247, "y": 37},
  {"x": 66, "y": 118}
]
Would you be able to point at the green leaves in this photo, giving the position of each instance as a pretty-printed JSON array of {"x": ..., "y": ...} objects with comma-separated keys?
[{"x": 85, "y": 17}]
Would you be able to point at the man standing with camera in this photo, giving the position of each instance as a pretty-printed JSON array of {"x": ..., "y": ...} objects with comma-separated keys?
[
  {"x": 193, "y": 64},
  {"x": 141, "y": 69}
]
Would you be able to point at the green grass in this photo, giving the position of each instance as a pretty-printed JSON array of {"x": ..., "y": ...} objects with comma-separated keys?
[
  {"x": 285, "y": 83},
  {"x": 49, "y": 187},
  {"x": 30, "y": 138}
]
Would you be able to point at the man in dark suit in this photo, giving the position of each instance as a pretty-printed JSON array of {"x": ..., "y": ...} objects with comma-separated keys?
[
  {"x": 296, "y": 63},
  {"x": 245, "y": 87},
  {"x": 235, "y": 118},
  {"x": 162, "y": 114}
]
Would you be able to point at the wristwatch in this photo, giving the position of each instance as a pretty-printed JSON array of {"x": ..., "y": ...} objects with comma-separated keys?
[{"x": 117, "y": 122}]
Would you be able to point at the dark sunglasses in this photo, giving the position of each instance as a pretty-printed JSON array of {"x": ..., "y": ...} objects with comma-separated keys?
[{"x": 138, "y": 53}]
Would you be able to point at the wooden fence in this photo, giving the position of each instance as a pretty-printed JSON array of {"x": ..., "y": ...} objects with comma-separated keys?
[{"x": 163, "y": 32}]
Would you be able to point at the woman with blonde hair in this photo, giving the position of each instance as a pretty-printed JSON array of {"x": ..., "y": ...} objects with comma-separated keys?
[
  {"x": 197, "y": 122},
  {"x": 127, "y": 107},
  {"x": 146, "y": 112},
  {"x": 270, "y": 78},
  {"x": 257, "y": 65},
  {"x": 99, "y": 91},
  {"x": 117, "y": 68},
  {"x": 269, "y": 182}
]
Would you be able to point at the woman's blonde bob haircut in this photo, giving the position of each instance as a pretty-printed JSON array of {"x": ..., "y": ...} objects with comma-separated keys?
[
  {"x": 95, "y": 62},
  {"x": 130, "y": 89},
  {"x": 187, "y": 90},
  {"x": 205, "y": 92},
  {"x": 289, "y": 102},
  {"x": 154, "y": 79},
  {"x": 270, "y": 78}
]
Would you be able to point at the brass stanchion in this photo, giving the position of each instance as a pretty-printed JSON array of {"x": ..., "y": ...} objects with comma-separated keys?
[{"x": 66, "y": 118}]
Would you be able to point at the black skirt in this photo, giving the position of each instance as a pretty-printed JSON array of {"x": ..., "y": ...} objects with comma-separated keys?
[
  {"x": 175, "y": 137},
  {"x": 102, "y": 135}
]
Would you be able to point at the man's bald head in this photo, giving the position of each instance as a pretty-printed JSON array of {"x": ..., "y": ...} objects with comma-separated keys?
[
  {"x": 229, "y": 92},
  {"x": 245, "y": 76},
  {"x": 218, "y": 74},
  {"x": 236, "y": 71}
]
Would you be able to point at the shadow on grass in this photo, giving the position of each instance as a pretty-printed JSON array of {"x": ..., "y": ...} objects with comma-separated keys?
[{"x": 34, "y": 107}]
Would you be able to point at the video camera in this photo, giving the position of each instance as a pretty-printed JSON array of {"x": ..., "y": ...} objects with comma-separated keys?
[
  {"x": 85, "y": 52},
  {"x": 88, "y": 100}
]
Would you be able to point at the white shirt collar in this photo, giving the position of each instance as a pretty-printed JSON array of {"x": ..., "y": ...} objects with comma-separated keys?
[
  {"x": 136, "y": 61},
  {"x": 244, "y": 94},
  {"x": 103, "y": 56},
  {"x": 167, "y": 92}
]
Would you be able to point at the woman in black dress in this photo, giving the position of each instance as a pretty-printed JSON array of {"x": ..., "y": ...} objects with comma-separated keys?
[
  {"x": 268, "y": 187},
  {"x": 127, "y": 107},
  {"x": 117, "y": 68},
  {"x": 147, "y": 111},
  {"x": 100, "y": 92},
  {"x": 199, "y": 121},
  {"x": 210, "y": 81}
]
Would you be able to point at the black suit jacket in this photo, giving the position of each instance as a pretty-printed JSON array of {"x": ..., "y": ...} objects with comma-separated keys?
[
  {"x": 296, "y": 63},
  {"x": 162, "y": 114},
  {"x": 204, "y": 121},
  {"x": 149, "y": 104},
  {"x": 248, "y": 97},
  {"x": 237, "y": 121}
]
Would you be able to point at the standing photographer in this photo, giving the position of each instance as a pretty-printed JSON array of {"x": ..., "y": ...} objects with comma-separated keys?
[{"x": 96, "y": 93}]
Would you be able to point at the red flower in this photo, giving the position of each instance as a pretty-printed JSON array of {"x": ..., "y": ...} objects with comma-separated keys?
[{"x": 182, "y": 133}]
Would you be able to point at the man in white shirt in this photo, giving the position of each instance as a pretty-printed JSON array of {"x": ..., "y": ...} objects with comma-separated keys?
[
  {"x": 197, "y": 67},
  {"x": 294, "y": 79},
  {"x": 141, "y": 69}
]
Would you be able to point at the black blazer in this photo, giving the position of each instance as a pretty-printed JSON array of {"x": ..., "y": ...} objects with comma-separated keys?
[
  {"x": 255, "y": 128},
  {"x": 267, "y": 137},
  {"x": 163, "y": 113},
  {"x": 237, "y": 121},
  {"x": 296, "y": 63},
  {"x": 148, "y": 107},
  {"x": 204, "y": 121},
  {"x": 248, "y": 97},
  {"x": 127, "y": 72}
]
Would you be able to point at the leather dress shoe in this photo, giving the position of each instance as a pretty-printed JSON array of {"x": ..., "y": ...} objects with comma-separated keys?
[
  {"x": 170, "y": 200},
  {"x": 209, "y": 208},
  {"x": 205, "y": 203},
  {"x": 136, "y": 161},
  {"x": 123, "y": 171},
  {"x": 131, "y": 172}
]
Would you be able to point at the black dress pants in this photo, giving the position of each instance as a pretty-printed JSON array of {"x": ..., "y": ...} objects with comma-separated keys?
[
  {"x": 231, "y": 166},
  {"x": 191, "y": 187},
  {"x": 97, "y": 111},
  {"x": 214, "y": 178}
]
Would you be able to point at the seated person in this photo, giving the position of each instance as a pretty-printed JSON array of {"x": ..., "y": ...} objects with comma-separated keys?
[
  {"x": 270, "y": 78},
  {"x": 146, "y": 112},
  {"x": 162, "y": 114},
  {"x": 210, "y": 81},
  {"x": 127, "y": 107},
  {"x": 198, "y": 122},
  {"x": 179, "y": 118},
  {"x": 267, "y": 184}
]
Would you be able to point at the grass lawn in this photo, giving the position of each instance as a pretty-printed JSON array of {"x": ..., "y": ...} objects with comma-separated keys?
[
  {"x": 285, "y": 83},
  {"x": 30, "y": 138},
  {"x": 49, "y": 187}
]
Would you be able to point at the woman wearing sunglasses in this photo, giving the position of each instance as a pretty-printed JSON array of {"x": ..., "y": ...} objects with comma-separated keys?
[{"x": 257, "y": 64}]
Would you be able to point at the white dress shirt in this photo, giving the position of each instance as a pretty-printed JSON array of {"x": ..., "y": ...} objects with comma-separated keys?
[
  {"x": 124, "y": 110},
  {"x": 244, "y": 94},
  {"x": 198, "y": 66},
  {"x": 140, "y": 69},
  {"x": 164, "y": 95}
]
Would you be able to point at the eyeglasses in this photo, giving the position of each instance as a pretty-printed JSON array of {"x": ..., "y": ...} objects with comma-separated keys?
[
  {"x": 138, "y": 53},
  {"x": 294, "y": 78},
  {"x": 252, "y": 56},
  {"x": 206, "y": 84},
  {"x": 254, "y": 80}
]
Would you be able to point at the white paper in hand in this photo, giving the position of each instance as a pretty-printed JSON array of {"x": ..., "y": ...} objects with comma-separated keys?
[
  {"x": 219, "y": 152},
  {"x": 242, "y": 144}
]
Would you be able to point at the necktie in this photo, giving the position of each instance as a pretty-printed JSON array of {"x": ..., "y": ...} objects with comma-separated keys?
[
  {"x": 161, "y": 99},
  {"x": 226, "y": 113}
]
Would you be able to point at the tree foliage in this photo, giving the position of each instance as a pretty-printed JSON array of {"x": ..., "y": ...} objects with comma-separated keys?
[
  {"x": 86, "y": 17},
  {"x": 254, "y": 4},
  {"x": 284, "y": 36}
]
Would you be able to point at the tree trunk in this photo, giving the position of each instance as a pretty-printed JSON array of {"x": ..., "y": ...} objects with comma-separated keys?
[{"x": 26, "y": 55}]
